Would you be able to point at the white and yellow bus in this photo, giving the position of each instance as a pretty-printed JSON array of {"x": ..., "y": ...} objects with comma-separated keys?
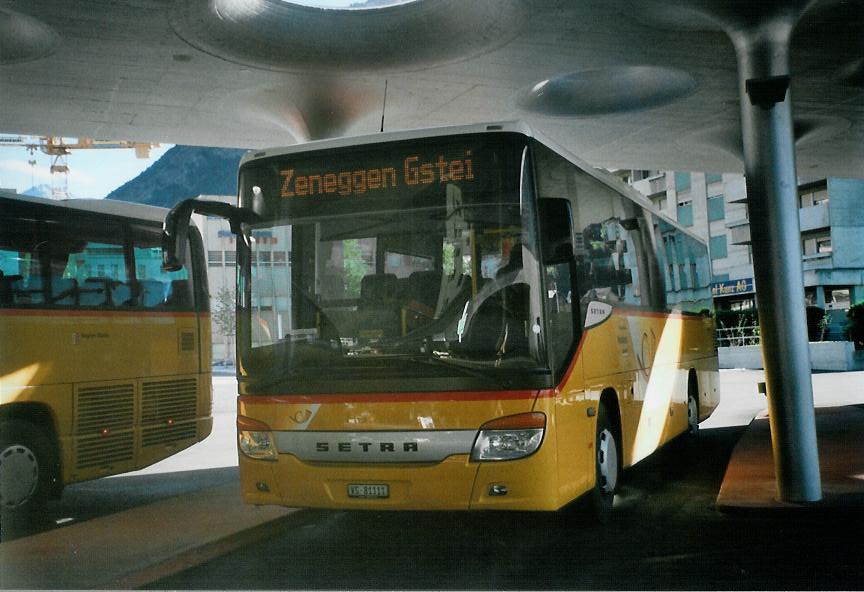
[
  {"x": 104, "y": 358},
  {"x": 459, "y": 319}
]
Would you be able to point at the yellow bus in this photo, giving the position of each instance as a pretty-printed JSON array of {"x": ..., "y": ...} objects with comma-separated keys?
[
  {"x": 460, "y": 318},
  {"x": 104, "y": 358}
]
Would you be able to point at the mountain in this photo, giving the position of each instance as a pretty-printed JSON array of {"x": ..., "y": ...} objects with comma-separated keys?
[
  {"x": 39, "y": 191},
  {"x": 181, "y": 173}
]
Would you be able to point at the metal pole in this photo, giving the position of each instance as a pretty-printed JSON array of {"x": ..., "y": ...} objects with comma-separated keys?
[{"x": 772, "y": 192}]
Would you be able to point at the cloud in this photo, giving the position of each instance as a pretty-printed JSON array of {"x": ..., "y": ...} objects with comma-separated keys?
[
  {"x": 79, "y": 176},
  {"x": 40, "y": 173}
]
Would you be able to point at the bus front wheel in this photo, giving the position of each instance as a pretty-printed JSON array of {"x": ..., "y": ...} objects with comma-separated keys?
[
  {"x": 692, "y": 405},
  {"x": 692, "y": 416},
  {"x": 25, "y": 466},
  {"x": 607, "y": 464}
]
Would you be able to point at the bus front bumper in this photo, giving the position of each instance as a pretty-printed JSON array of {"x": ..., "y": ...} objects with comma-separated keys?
[{"x": 455, "y": 483}]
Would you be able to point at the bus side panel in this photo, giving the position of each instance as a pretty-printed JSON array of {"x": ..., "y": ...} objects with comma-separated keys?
[
  {"x": 645, "y": 358},
  {"x": 708, "y": 374},
  {"x": 82, "y": 346},
  {"x": 109, "y": 420},
  {"x": 575, "y": 428}
]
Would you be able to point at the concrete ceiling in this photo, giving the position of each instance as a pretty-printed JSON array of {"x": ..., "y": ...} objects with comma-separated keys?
[{"x": 622, "y": 83}]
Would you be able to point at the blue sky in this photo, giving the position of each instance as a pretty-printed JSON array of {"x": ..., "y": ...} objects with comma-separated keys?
[{"x": 92, "y": 173}]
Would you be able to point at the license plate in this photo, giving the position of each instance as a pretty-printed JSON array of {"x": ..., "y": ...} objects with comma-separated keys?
[{"x": 364, "y": 491}]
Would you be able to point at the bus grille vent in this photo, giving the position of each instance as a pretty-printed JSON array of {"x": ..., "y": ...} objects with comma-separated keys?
[
  {"x": 103, "y": 425},
  {"x": 187, "y": 341},
  {"x": 101, "y": 408},
  {"x": 167, "y": 408},
  {"x": 105, "y": 450},
  {"x": 166, "y": 434}
]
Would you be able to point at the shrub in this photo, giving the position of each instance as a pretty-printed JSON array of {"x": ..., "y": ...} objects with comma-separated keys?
[
  {"x": 815, "y": 315},
  {"x": 855, "y": 324}
]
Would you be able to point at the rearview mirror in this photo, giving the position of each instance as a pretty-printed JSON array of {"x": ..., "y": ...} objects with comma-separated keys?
[{"x": 175, "y": 229}]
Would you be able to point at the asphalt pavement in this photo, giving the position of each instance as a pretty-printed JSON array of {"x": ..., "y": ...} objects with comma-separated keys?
[
  {"x": 666, "y": 535},
  {"x": 667, "y": 532}
]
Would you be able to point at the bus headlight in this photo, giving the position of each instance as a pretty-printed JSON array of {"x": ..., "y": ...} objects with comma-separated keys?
[
  {"x": 509, "y": 438},
  {"x": 255, "y": 439}
]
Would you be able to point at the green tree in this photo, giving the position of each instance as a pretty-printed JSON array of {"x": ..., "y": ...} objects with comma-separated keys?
[
  {"x": 225, "y": 319},
  {"x": 354, "y": 265}
]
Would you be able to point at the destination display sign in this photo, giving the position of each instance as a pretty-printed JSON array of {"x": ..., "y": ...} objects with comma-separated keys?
[
  {"x": 472, "y": 169},
  {"x": 411, "y": 170}
]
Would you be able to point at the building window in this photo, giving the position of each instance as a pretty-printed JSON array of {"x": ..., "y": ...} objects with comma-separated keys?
[
  {"x": 813, "y": 196},
  {"x": 214, "y": 258},
  {"x": 230, "y": 258},
  {"x": 713, "y": 178},
  {"x": 660, "y": 203},
  {"x": 682, "y": 274},
  {"x": 716, "y": 208},
  {"x": 837, "y": 297},
  {"x": 823, "y": 245},
  {"x": 264, "y": 257},
  {"x": 718, "y": 247},
  {"x": 682, "y": 181},
  {"x": 639, "y": 175},
  {"x": 685, "y": 213},
  {"x": 279, "y": 258},
  {"x": 816, "y": 243}
]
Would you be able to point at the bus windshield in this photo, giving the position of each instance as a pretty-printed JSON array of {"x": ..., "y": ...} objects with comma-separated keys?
[{"x": 404, "y": 266}]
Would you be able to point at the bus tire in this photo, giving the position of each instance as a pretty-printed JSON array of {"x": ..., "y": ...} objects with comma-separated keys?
[
  {"x": 607, "y": 464},
  {"x": 692, "y": 407},
  {"x": 26, "y": 466}
]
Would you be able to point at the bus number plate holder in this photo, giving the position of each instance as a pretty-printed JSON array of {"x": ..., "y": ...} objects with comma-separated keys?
[{"x": 368, "y": 491}]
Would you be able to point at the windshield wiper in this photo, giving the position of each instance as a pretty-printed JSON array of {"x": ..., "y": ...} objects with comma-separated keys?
[{"x": 441, "y": 362}]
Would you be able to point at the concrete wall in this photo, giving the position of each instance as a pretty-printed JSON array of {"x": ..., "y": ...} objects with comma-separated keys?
[
  {"x": 847, "y": 223},
  {"x": 824, "y": 355}
]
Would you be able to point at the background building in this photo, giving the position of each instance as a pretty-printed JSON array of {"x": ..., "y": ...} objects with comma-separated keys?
[
  {"x": 714, "y": 206},
  {"x": 271, "y": 254},
  {"x": 220, "y": 250}
]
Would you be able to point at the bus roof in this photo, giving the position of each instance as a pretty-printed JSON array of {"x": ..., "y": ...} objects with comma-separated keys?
[
  {"x": 103, "y": 206},
  {"x": 518, "y": 127},
  {"x": 394, "y": 136}
]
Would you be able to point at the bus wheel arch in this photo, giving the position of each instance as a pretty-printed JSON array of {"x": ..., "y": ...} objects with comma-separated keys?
[
  {"x": 32, "y": 422},
  {"x": 607, "y": 454},
  {"x": 692, "y": 403}
]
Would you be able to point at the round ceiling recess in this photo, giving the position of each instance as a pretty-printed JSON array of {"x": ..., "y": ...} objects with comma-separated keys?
[
  {"x": 24, "y": 38},
  {"x": 346, "y": 35},
  {"x": 609, "y": 90},
  {"x": 348, "y": 4}
]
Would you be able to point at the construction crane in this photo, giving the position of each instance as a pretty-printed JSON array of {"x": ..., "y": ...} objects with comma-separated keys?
[{"x": 59, "y": 148}]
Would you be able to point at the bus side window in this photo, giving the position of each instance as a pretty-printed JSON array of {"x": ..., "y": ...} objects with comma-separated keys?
[
  {"x": 158, "y": 288},
  {"x": 20, "y": 268},
  {"x": 87, "y": 272},
  {"x": 556, "y": 228},
  {"x": 152, "y": 293}
]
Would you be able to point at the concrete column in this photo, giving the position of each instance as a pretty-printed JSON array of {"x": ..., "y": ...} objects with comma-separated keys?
[{"x": 772, "y": 190}]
